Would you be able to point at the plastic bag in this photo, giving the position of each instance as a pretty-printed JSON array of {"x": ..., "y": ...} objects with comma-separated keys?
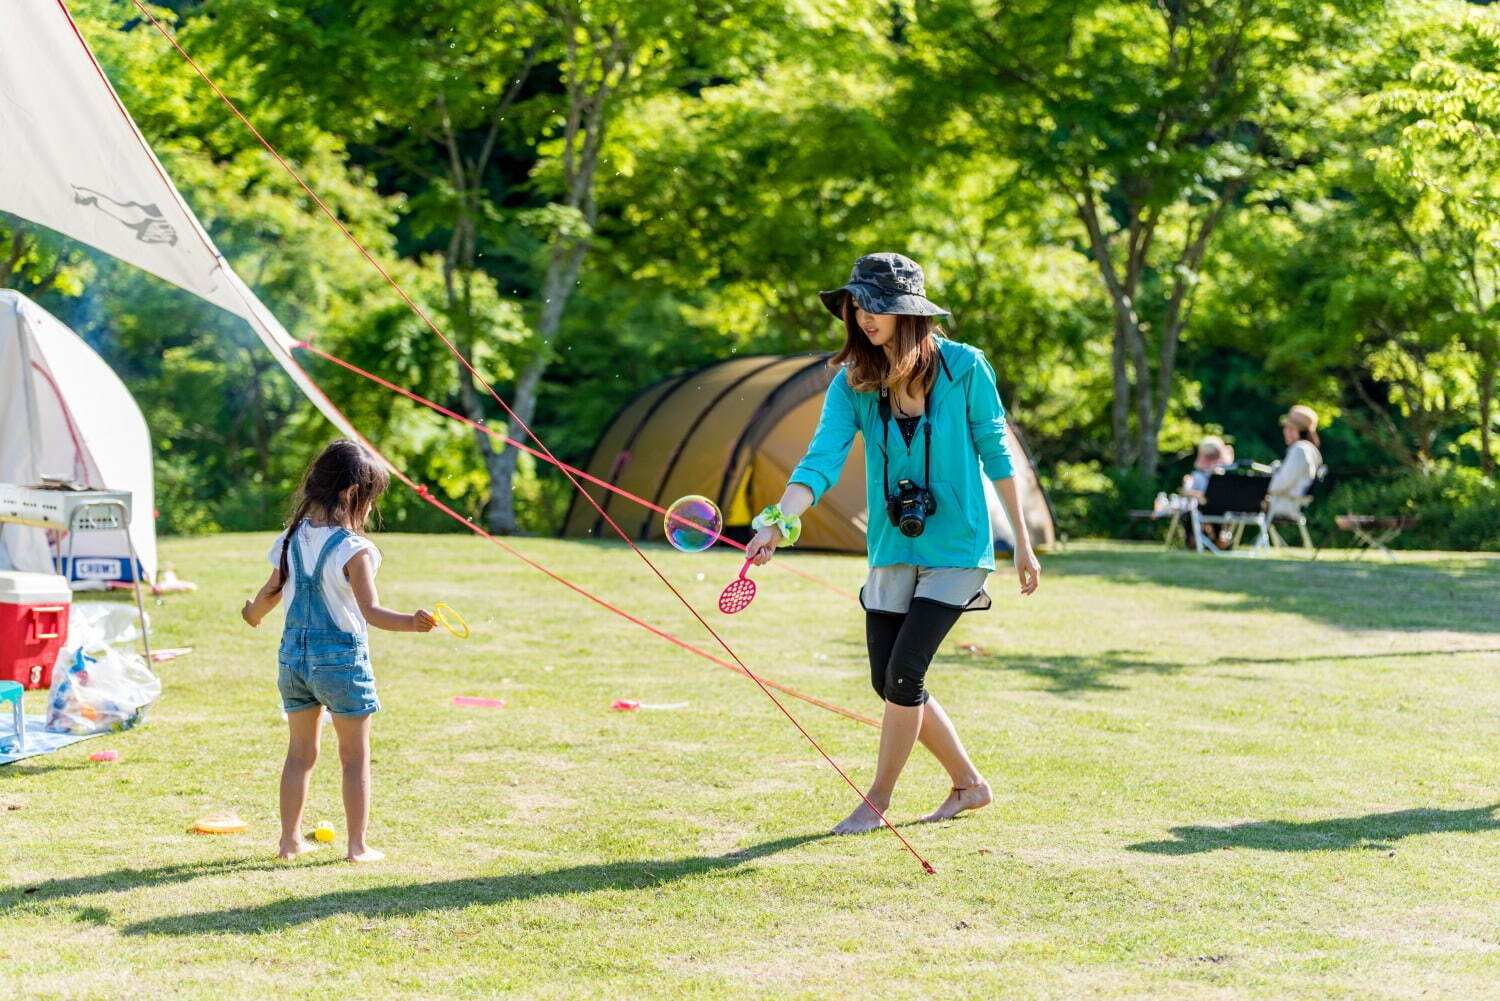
[
  {"x": 95, "y": 687},
  {"x": 96, "y": 622}
]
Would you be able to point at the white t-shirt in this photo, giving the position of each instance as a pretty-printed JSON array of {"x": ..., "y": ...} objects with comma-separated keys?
[
  {"x": 1292, "y": 479},
  {"x": 337, "y": 593}
]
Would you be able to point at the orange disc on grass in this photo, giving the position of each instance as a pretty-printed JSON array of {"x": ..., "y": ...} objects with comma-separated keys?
[{"x": 224, "y": 822}]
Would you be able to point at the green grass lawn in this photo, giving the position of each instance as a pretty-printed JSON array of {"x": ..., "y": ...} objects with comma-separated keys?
[{"x": 1215, "y": 778}]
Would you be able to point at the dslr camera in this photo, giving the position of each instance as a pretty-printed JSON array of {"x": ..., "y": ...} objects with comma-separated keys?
[{"x": 909, "y": 508}]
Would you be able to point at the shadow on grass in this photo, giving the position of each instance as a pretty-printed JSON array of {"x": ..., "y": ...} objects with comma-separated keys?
[
  {"x": 132, "y": 879},
  {"x": 1457, "y": 595},
  {"x": 39, "y": 765},
  {"x": 1335, "y": 655},
  {"x": 1070, "y": 674},
  {"x": 1065, "y": 674},
  {"x": 396, "y": 901},
  {"x": 1373, "y": 831}
]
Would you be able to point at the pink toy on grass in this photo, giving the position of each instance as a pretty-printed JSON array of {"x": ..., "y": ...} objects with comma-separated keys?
[{"x": 474, "y": 700}]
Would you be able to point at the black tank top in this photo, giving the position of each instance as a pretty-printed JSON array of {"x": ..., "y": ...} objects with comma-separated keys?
[{"x": 908, "y": 426}]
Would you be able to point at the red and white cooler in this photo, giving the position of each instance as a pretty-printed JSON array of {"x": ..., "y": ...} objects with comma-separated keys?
[{"x": 33, "y": 625}]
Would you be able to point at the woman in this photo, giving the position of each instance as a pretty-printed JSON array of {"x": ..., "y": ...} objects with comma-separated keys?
[
  {"x": 1293, "y": 476},
  {"x": 931, "y": 415}
]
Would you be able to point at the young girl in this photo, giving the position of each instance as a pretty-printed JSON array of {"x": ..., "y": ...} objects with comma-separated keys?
[
  {"x": 327, "y": 570},
  {"x": 931, "y": 416}
]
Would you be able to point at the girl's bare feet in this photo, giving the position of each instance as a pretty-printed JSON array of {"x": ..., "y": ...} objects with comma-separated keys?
[
  {"x": 364, "y": 855},
  {"x": 862, "y": 820},
  {"x": 290, "y": 850},
  {"x": 968, "y": 798}
]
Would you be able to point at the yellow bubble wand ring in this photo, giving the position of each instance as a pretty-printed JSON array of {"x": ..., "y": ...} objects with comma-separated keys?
[{"x": 450, "y": 620}]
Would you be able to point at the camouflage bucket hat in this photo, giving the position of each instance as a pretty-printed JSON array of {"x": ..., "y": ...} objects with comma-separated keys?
[{"x": 884, "y": 283}]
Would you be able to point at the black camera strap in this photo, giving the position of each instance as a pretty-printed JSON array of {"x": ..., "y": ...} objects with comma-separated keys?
[{"x": 885, "y": 435}]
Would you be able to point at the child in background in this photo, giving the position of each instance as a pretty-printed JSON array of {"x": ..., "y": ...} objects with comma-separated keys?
[
  {"x": 328, "y": 569},
  {"x": 1210, "y": 460}
]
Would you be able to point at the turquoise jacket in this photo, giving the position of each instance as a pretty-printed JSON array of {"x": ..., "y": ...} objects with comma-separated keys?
[{"x": 968, "y": 430}]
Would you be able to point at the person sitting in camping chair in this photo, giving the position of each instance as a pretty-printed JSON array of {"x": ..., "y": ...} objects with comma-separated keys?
[
  {"x": 1231, "y": 503},
  {"x": 1292, "y": 478},
  {"x": 1210, "y": 460},
  {"x": 1212, "y": 457}
]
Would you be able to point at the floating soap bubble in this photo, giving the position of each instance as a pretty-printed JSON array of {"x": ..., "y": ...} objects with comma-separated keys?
[{"x": 693, "y": 523}]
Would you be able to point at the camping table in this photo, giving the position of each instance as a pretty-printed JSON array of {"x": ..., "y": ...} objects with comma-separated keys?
[
  {"x": 1174, "y": 527},
  {"x": 1373, "y": 530},
  {"x": 76, "y": 511}
]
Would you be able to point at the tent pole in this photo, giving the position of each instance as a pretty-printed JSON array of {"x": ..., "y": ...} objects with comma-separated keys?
[
  {"x": 33, "y": 417},
  {"x": 137, "y": 570}
]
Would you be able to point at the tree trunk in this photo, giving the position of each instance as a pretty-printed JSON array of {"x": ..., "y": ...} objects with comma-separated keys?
[
  {"x": 502, "y": 461},
  {"x": 1128, "y": 343},
  {"x": 1120, "y": 405},
  {"x": 583, "y": 138},
  {"x": 1145, "y": 412},
  {"x": 1486, "y": 414},
  {"x": 563, "y": 265}
]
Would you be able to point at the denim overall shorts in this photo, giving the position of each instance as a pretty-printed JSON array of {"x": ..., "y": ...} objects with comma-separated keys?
[{"x": 322, "y": 664}]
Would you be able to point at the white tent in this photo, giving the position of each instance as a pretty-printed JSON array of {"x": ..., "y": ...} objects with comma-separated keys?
[
  {"x": 66, "y": 414},
  {"x": 73, "y": 160}
]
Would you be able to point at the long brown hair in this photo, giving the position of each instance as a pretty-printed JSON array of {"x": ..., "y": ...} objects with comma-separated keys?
[
  {"x": 914, "y": 366},
  {"x": 342, "y": 464}
]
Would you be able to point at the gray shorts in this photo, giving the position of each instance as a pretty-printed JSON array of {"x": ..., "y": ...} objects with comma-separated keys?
[{"x": 891, "y": 588}]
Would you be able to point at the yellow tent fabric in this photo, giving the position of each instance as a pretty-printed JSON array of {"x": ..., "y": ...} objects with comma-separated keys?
[{"x": 733, "y": 432}]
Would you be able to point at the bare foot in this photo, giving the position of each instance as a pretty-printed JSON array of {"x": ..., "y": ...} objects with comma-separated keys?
[
  {"x": 862, "y": 820},
  {"x": 296, "y": 848},
  {"x": 971, "y": 798},
  {"x": 365, "y": 855}
]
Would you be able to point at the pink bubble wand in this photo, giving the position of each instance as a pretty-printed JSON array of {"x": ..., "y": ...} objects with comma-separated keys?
[{"x": 736, "y": 597}]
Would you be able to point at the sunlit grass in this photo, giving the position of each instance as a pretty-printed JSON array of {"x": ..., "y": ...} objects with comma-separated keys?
[{"x": 1217, "y": 778}]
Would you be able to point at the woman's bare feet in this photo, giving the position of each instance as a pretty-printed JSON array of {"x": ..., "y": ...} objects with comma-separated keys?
[
  {"x": 861, "y": 821},
  {"x": 364, "y": 855},
  {"x": 290, "y": 850},
  {"x": 968, "y": 798}
]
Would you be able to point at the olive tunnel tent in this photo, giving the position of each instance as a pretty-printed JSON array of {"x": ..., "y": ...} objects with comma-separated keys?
[{"x": 733, "y": 432}]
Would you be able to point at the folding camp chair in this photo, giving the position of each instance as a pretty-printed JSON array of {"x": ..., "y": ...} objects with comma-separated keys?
[
  {"x": 1174, "y": 512},
  {"x": 1316, "y": 489},
  {"x": 1236, "y": 502}
]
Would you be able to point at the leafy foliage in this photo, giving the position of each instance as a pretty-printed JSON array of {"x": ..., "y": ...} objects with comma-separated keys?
[{"x": 1159, "y": 219}]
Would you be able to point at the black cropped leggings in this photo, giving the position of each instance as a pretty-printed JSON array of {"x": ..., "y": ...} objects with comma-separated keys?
[{"x": 902, "y": 647}]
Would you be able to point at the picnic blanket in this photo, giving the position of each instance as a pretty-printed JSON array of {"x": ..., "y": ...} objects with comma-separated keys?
[{"x": 38, "y": 741}]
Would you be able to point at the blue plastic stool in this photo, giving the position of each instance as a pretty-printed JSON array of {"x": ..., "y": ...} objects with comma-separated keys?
[{"x": 11, "y": 691}]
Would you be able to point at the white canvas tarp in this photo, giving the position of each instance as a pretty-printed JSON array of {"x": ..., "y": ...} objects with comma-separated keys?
[
  {"x": 66, "y": 414},
  {"x": 72, "y": 159}
]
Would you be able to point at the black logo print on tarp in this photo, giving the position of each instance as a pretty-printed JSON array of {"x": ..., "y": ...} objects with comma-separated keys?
[{"x": 145, "y": 219}]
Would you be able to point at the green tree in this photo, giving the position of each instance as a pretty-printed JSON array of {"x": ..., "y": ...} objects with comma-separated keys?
[
  {"x": 494, "y": 119},
  {"x": 1155, "y": 119},
  {"x": 1442, "y": 176},
  {"x": 1365, "y": 281},
  {"x": 231, "y": 434}
]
